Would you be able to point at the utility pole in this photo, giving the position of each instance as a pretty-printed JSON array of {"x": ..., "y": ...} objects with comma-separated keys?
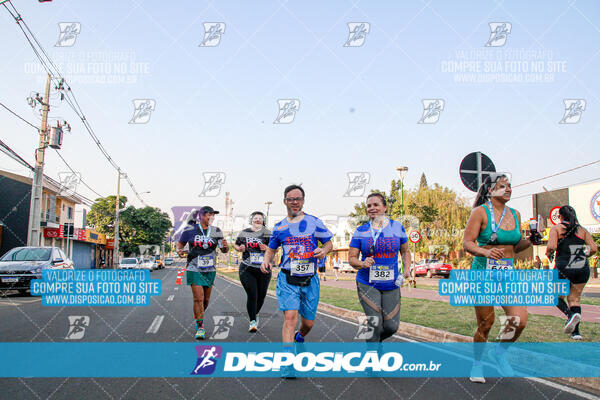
[
  {"x": 35, "y": 208},
  {"x": 116, "y": 250}
]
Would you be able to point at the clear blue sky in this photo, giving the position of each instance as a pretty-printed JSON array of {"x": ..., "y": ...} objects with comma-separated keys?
[{"x": 359, "y": 106}]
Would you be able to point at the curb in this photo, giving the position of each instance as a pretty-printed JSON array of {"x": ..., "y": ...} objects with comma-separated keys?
[
  {"x": 405, "y": 328},
  {"x": 435, "y": 335}
]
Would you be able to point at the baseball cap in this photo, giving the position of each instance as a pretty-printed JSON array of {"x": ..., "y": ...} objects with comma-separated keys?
[{"x": 207, "y": 209}]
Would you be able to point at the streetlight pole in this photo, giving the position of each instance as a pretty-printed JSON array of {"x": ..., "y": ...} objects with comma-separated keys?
[
  {"x": 268, "y": 203},
  {"x": 402, "y": 173}
]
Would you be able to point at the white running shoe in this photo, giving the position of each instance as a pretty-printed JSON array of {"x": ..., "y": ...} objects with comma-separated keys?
[
  {"x": 477, "y": 374},
  {"x": 502, "y": 365},
  {"x": 576, "y": 336},
  {"x": 572, "y": 323},
  {"x": 253, "y": 326}
]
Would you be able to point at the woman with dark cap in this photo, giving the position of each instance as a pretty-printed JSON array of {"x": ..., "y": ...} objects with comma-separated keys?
[
  {"x": 252, "y": 243},
  {"x": 202, "y": 240},
  {"x": 493, "y": 236},
  {"x": 573, "y": 245}
]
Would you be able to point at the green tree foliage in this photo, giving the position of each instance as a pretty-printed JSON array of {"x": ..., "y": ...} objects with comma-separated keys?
[
  {"x": 435, "y": 211},
  {"x": 423, "y": 181},
  {"x": 137, "y": 226}
]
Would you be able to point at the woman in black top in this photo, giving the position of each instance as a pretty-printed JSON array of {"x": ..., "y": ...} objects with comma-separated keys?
[
  {"x": 573, "y": 245},
  {"x": 252, "y": 243}
]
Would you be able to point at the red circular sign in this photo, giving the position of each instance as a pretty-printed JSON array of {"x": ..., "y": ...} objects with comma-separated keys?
[
  {"x": 414, "y": 236},
  {"x": 554, "y": 215}
]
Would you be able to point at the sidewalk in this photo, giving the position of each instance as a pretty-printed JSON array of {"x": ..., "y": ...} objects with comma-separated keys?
[{"x": 589, "y": 313}]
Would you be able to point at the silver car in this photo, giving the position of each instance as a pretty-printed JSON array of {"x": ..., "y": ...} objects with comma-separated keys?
[
  {"x": 129, "y": 263},
  {"x": 22, "y": 264}
]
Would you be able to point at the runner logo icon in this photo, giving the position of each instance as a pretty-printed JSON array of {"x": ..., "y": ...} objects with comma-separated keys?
[
  {"x": 357, "y": 33},
  {"x": 498, "y": 34},
  {"x": 77, "y": 325},
  {"x": 207, "y": 359},
  {"x": 212, "y": 34},
  {"x": 223, "y": 323},
  {"x": 573, "y": 110},
  {"x": 68, "y": 34}
]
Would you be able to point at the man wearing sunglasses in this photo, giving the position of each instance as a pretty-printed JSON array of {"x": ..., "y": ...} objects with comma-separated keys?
[{"x": 297, "y": 283}]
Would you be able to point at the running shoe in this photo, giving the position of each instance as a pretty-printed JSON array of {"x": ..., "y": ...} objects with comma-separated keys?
[
  {"x": 253, "y": 326},
  {"x": 298, "y": 338},
  {"x": 477, "y": 373},
  {"x": 576, "y": 336},
  {"x": 502, "y": 364},
  {"x": 200, "y": 333},
  {"x": 288, "y": 372},
  {"x": 572, "y": 322}
]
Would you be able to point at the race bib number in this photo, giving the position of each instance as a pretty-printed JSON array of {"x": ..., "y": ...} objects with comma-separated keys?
[
  {"x": 502, "y": 264},
  {"x": 381, "y": 273},
  {"x": 302, "y": 267},
  {"x": 256, "y": 258},
  {"x": 205, "y": 261}
]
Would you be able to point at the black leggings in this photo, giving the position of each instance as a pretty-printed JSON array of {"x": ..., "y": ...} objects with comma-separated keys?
[{"x": 255, "y": 284}]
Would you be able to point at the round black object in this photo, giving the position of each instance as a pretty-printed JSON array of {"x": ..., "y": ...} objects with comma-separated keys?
[{"x": 469, "y": 167}]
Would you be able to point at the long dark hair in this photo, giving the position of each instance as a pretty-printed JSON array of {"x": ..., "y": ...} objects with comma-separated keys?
[
  {"x": 483, "y": 194},
  {"x": 570, "y": 216},
  {"x": 377, "y": 194}
]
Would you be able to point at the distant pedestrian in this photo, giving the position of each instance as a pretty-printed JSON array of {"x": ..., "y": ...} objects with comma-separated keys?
[
  {"x": 336, "y": 267},
  {"x": 537, "y": 263}
]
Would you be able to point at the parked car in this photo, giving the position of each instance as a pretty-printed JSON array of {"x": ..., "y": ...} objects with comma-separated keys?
[
  {"x": 148, "y": 263},
  {"x": 431, "y": 267},
  {"x": 129, "y": 263},
  {"x": 346, "y": 267},
  {"x": 22, "y": 264},
  {"x": 169, "y": 261}
]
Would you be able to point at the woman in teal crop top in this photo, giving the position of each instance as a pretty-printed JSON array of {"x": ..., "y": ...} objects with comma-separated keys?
[{"x": 493, "y": 236}]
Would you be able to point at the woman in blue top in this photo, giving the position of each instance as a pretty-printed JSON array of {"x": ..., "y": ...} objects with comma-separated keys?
[
  {"x": 378, "y": 280},
  {"x": 493, "y": 236}
]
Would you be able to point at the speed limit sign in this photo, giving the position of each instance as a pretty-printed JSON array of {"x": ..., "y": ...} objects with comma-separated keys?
[
  {"x": 414, "y": 236},
  {"x": 554, "y": 218}
]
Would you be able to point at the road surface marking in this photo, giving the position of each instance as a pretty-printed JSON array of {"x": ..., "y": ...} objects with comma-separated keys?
[
  {"x": 552, "y": 384},
  {"x": 155, "y": 325},
  {"x": 17, "y": 302},
  {"x": 170, "y": 298}
]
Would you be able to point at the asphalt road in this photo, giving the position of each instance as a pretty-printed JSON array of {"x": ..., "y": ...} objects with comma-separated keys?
[{"x": 25, "y": 320}]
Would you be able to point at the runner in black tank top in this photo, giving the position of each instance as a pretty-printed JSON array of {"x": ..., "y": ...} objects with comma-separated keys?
[{"x": 573, "y": 245}]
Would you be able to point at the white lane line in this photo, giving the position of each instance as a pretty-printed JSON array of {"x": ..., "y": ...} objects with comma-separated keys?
[
  {"x": 564, "y": 388},
  {"x": 155, "y": 325},
  {"x": 10, "y": 302},
  {"x": 176, "y": 287},
  {"x": 170, "y": 298},
  {"x": 552, "y": 384}
]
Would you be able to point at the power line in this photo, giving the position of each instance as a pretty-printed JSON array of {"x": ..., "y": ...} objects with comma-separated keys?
[
  {"x": 18, "y": 116},
  {"x": 80, "y": 179},
  {"x": 558, "y": 173},
  {"x": 13, "y": 154},
  {"x": 47, "y": 63},
  {"x": 57, "y": 152},
  {"x": 558, "y": 188}
]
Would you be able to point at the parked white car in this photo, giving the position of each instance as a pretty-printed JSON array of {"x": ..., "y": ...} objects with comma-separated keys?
[
  {"x": 346, "y": 267},
  {"x": 148, "y": 263},
  {"x": 129, "y": 263}
]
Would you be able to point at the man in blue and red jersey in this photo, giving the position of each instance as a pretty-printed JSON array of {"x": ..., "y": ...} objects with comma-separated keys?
[{"x": 297, "y": 283}]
